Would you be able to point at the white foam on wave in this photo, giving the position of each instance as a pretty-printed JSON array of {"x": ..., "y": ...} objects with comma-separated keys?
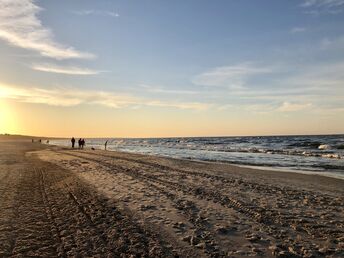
[
  {"x": 331, "y": 156},
  {"x": 336, "y": 175},
  {"x": 324, "y": 147}
]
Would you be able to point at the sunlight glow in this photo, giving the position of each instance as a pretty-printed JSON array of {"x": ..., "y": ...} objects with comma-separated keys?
[{"x": 7, "y": 117}]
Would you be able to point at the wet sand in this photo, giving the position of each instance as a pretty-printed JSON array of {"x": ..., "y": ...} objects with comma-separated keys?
[{"x": 60, "y": 202}]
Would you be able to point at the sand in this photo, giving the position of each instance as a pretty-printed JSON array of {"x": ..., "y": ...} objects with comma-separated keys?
[{"x": 60, "y": 202}]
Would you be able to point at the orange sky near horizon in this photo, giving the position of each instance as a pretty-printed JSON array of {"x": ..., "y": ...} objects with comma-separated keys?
[{"x": 93, "y": 121}]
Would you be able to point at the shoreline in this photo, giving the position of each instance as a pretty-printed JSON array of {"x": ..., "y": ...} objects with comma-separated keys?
[
  {"x": 253, "y": 167},
  {"x": 303, "y": 172},
  {"x": 227, "y": 168},
  {"x": 297, "y": 155}
]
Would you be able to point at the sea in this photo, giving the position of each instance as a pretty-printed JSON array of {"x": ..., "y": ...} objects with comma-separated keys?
[{"x": 312, "y": 154}]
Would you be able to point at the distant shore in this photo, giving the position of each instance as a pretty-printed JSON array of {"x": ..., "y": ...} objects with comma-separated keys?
[
  {"x": 65, "y": 202},
  {"x": 25, "y": 138}
]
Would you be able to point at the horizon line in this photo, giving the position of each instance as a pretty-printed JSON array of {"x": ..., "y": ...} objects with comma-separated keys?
[{"x": 173, "y": 137}]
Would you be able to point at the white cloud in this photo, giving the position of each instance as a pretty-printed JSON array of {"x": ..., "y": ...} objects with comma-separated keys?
[
  {"x": 298, "y": 30},
  {"x": 292, "y": 107},
  {"x": 316, "y": 7},
  {"x": 72, "y": 97},
  {"x": 158, "y": 89},
  {"x": 187, "y": 105},
  {"x": 70, "y": 70},
  {"x": 229, "y": 76},
  {"x": 21, "y": 27},
  {"x": 326, "y": 76},
  {"x": 332, "y": 44},
  {"x": 96, "y": 12},
  {"x": 323, "y": 3},
  {"x": 308, "y": 87},
  {"x": 39, "y": 95}
]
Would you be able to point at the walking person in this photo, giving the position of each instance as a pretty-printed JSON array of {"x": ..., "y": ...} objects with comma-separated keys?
[
  {"x": 106, "y": 144},
  {"x": 73, "y": 142},
  {"x": 79, "y": 143},
  {"x": 82, "y": 143}
]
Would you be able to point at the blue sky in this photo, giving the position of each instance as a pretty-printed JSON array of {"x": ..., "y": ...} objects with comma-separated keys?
[{"x": 197, "y": 59}]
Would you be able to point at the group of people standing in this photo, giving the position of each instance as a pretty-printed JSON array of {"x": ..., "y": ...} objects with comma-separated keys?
[{"x": 81, "y": 143}]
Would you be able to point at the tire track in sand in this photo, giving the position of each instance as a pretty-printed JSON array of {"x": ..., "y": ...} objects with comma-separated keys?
[
  {"x": 47, "y": 211},
  {"x": 267, "y": 222},
  {"x": 208, "y": 196},
  {"x": 298, "y": 197},
  {"x": 89, "y": 225}
]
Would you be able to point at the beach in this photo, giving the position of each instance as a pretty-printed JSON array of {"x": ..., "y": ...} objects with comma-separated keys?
[{"x": 58, "y": 201}]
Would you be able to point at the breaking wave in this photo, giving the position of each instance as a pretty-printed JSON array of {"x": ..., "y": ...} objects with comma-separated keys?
[{"x": 307, "y": 153}]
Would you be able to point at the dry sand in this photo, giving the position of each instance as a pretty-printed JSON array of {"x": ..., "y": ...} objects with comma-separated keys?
[{"x": 61, "y": 202}]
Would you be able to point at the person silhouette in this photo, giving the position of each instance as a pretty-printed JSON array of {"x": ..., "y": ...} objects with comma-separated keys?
[
  {"x": 73, "y": 142},
  {"x": 106, "y": 144},
  {"x": 80, "y": 143}
]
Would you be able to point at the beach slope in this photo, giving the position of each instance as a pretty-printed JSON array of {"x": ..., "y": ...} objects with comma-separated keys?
[{"x": 61, "y": 202}]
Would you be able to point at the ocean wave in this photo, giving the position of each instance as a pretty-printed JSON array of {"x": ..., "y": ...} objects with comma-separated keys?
[
  {"x": 324, "y": 147},
  {"x": 323, "y": 152},
  {"x": 340, "y": 147},
  {"x": 297, "y": 152},
  {"x": 306, "y": 144},
  {"x": 330, "y": 155}
]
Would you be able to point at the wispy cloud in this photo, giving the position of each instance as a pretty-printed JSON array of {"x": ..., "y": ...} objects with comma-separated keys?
[
  {"x": 268, "y": 108},
  {"x": 297, "y": 30},
  {"x": 182, "y": 105},
  {"x": 21, "y": 27},
  {"x": 292, "y": 107},
  {"x": 229, "y": 76},
  {"x": 288, "y": 87},
  {"x": 294, "y": 78},
  {"x": 70, "y": 70},
  {"x": 316, "y": 7},
  {"x": 336, "y": 44},
  {"x": 67, "y": 97},
  {"x": 96, "y": 12},
  {"x": 158, "y": 89},
  {"x": 323, "y": 3},
  {"x": 52, "y": 97}
]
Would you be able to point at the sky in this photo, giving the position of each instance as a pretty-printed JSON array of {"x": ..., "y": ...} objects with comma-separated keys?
[{"x": 149, "y": 68}]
